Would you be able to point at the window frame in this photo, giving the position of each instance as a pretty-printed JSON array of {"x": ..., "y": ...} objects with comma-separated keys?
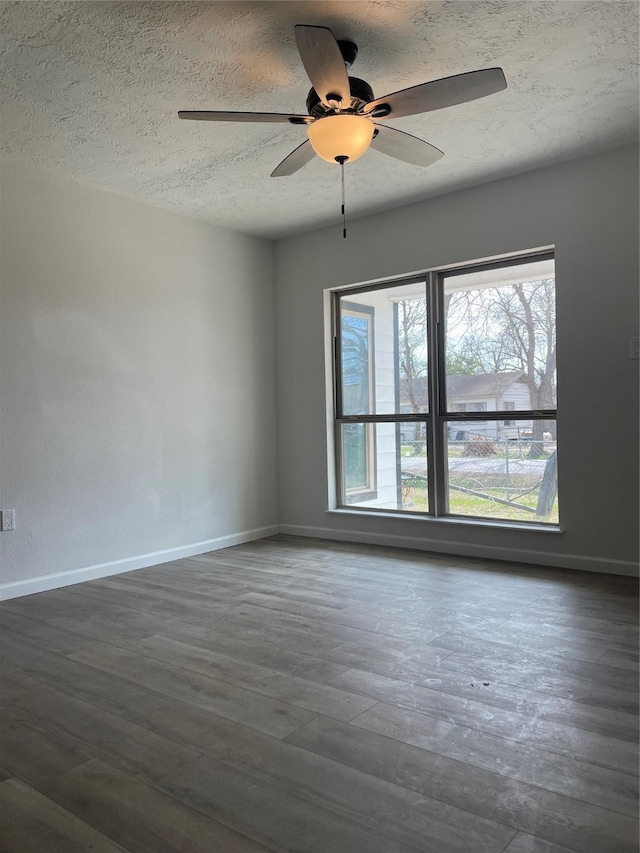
[
  {"x": 369, "y": 490},
  {"x": 437, "y": 419},
  {"x": 511, "y": 407}
]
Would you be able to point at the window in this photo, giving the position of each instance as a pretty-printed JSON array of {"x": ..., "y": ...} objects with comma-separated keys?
[
  {"x": 357, "y": 372},
  {"x": 418, "y": 362},
  {"x": 509, "y": 407}
]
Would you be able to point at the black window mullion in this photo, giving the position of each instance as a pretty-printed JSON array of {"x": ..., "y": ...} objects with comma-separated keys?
[
  {"x": 436, "y": 455},
  {"x": 337, "y": 356}
]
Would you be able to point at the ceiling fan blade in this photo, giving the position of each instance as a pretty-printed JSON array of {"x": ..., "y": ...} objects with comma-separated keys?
[
  {"x": 208, "y": 115},
  {"x": 323, "y": 62},
  {"x": 437, "y": 94},
  {"x": 403, "y": 146},
  {"x": 298, "y": 158}
]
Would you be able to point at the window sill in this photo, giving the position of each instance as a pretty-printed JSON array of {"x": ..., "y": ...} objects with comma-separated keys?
[{"x": 448, "y": 520}]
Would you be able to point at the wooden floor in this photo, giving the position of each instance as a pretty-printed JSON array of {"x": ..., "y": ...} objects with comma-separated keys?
[{"x": 309, "y": 697}]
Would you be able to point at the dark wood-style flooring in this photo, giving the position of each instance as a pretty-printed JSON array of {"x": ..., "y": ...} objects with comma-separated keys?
[{"x": 315, "y": 697}]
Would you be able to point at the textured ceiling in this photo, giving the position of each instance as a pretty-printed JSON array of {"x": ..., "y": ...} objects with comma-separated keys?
[{"x": 91, "y": 90}]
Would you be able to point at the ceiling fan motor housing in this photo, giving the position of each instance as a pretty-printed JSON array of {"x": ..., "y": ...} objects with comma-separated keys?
[
  {"x": 349, "y": 51},
  {"x": 360, "y": 91}
]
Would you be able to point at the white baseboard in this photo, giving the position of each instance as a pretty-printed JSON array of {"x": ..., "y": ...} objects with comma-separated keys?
[
  {"x": 16, "y": 589},
  {"x": 489, "y": 552},
  {"x": 30, "y": 586}
]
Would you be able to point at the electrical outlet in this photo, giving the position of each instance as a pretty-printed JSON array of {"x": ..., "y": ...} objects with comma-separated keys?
[{"x": 8, "y": 519}]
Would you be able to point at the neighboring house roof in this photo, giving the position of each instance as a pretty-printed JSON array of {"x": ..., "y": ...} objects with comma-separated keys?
[
  {"x": 463, "y": 387},
  {"x": 481, "y": 384}
]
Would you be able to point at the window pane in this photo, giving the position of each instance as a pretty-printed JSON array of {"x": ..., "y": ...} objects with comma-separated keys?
[
  {"x": 383, "y": 346},
  {"x": 385, "y": 466},
  {"x": 500, "y": 349},
  {"x": 356, "y": 342},
  {"x": 503, "y": 472},
  {"x": 357, "y": 468}
]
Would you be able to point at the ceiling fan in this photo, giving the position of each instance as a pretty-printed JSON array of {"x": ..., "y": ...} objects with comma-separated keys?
[{"x": 344, "y": 117}]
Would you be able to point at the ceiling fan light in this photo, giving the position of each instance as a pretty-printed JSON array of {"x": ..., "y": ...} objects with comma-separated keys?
[{"x": 342, "y": 135}]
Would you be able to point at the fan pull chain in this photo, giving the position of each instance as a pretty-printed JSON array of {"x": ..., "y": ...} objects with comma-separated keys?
[{"x": 342, "y": 160}]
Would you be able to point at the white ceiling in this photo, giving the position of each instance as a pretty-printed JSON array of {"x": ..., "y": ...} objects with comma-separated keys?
[{"x": 91, "y": 89}]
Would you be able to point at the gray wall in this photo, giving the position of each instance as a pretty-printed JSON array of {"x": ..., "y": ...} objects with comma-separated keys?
[
  {"x": 588, "y": 209},
  {"x": 138, "y": 382},
  {"x": 138, "y": 406}
]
